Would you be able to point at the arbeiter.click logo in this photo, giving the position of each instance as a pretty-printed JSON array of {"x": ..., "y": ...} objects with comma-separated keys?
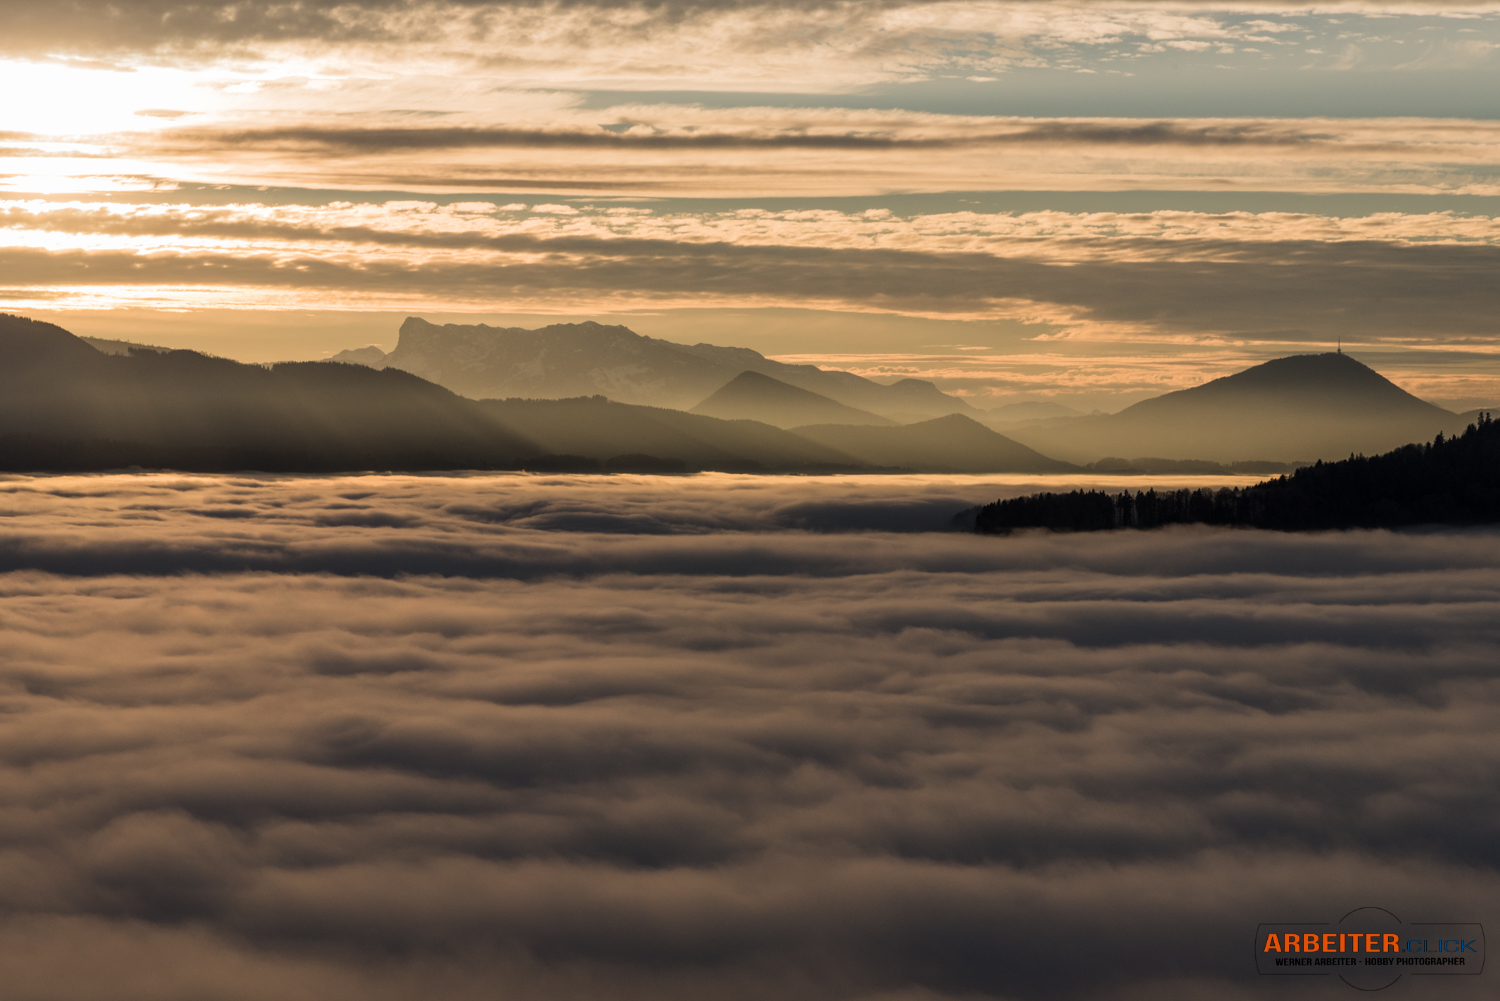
[{"x": 1370, "y": 949}]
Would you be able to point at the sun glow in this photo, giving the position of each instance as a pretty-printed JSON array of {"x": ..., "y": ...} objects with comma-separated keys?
[{"x": 52, "y": 99}]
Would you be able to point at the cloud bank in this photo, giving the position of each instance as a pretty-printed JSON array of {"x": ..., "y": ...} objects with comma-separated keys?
[
  {"x": 1427, "y": 293},
  {"x": 748, "y": 42},
  {"x": 654, "y": 740},
  {"x": 543, "y": 141}
]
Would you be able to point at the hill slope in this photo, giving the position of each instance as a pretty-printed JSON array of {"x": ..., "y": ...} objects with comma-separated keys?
[
  {"x": 1450, "y": 481},
  {"x": 584, "y": 359},
  {"x": 1304, "y": 407},
  {"x": 64, "y": 404},
  {"x": 600, "y": 429},
  {"x": 756, "y": 397},
  {"x": 952, "y": 444}
]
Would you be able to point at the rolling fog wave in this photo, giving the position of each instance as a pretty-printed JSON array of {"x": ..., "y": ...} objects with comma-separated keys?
[{"x": 637, "y": 738}]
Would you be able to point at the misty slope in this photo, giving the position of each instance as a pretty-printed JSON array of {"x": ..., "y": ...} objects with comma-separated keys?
[
  {"x": 756, "y": 397},
  {"x": 1031, "y": 410},
  {"x": 371, "y": 357},
  {"x": 952, "y": 444},
  {"x": 64, "y": 404},
  {"x": 598, "y": 428},
  {"x": 1304, "y": 407},
  {"x": 584, "y": 359}
]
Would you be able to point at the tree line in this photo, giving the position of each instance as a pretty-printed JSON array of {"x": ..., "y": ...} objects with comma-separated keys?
[{"x": 1446, "y": 481}]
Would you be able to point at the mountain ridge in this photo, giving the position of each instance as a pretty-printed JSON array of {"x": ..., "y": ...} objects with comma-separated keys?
[
  {"x": 66, "y": 406},
  {"x": 567, "y": 360},
  {"x": 188, "y": 410},
  {"x": 1337, "y": 378},
  {"x": 953, "y": 443},
  {"x": 1300, "y": 408},
  {"x": 754, "y": 396}
]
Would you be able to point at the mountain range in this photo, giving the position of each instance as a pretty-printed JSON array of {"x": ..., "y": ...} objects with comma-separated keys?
[
  {"x": 1291, "y": 410},
  {"x": 588, "y": 359},
  {"x": 66, "y": 405}
]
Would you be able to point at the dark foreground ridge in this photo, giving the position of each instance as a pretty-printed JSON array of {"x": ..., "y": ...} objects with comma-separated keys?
[
  {"x": 65, "y": 406},
  {"x": 1453, "y": 481}
]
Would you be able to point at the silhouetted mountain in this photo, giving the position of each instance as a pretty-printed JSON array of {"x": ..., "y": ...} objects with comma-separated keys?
[
  {"x": 954, "y": 444},
  {"x": 371, "y": 357},
  {"x": 599, "y": 429},
  {"x": 66, "y": 406},
  {"x": 1303, "y": 407},
  {"x": 1450, "y": 481},
  {"x": 585, "y": 359},
  {"x": 756, "y": 397}
]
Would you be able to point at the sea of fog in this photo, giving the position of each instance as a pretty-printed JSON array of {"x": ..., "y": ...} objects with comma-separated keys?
[{"x": 372, "y": 738}]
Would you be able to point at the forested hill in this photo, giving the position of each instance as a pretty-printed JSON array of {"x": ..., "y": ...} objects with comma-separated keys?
[{"x": 1452, "y": 481}]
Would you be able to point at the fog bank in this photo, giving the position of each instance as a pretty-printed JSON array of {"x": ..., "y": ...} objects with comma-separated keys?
[{"x": 638, "y": 738}]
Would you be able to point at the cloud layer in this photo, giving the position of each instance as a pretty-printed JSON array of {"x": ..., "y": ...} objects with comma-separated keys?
[
  {"x": 550, "y": 142},
  {"x": 637, "y": 738},
  {"x": 1428, "y": 292},
  {"x": 729, "y": 44}
]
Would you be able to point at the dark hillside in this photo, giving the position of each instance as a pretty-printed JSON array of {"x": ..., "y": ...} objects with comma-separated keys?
[
  {"x": 602, "y": 430},
  {"x": 65, "y": 405},
  {"x": 1454, "y": 481}
]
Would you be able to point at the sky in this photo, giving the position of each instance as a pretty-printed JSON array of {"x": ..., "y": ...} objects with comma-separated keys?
[
  {"x": 1090, "y": 202},
  {"x": 569, "y": 738}
]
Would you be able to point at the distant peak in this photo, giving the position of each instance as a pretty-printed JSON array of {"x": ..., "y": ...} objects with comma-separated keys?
[
  {"x": 748, "y": 376},
  {"x": 1329, "y": 380},
  {"x": 417, "y": 321}
]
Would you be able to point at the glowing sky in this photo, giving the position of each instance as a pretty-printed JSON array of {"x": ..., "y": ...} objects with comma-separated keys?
[{"x": 1086, "y": 201}]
